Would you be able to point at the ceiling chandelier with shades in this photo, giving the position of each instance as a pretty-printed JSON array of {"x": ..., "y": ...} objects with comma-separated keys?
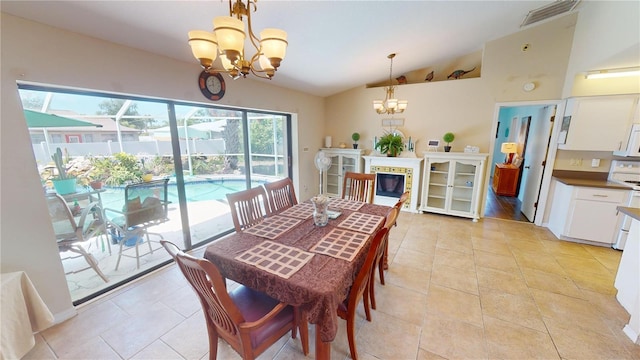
[
  {"x": 390, "y": 105},
  {"x": 228, "y": 38}
]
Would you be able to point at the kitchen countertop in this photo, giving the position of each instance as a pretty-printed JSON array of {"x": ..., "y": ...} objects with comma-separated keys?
[
  {"x": 587, "y": 179},
  {"x": 632, "y": 212}
]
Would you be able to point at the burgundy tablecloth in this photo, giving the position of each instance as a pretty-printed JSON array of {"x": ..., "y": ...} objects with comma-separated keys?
[{"x": 317, "y": 288}]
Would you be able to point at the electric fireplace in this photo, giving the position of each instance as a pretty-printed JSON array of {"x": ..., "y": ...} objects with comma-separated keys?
[{"x": 394, "y": 176}]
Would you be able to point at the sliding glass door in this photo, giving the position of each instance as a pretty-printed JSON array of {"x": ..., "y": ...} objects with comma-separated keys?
[{"x": 205, "y": 152}]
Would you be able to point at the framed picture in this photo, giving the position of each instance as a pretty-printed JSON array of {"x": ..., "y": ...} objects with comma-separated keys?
[{"x": 433, "y": 145}]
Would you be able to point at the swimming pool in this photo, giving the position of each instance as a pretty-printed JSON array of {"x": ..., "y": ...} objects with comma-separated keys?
[{"x": 195, "y": 190}]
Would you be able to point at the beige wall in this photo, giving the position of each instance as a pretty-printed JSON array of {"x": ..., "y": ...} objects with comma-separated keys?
[
  {"x": 36, "y": 53},
  {"x": 466, "y": 106},
  {"x": 461, "y": 107},
  {"x": 507, "y": 68},
  {"x": 607, "y": 35}
]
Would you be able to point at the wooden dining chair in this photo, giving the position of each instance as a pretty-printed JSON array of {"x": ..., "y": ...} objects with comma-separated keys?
[
  {"x": 347, "y": 309},
  {"x": 248, "y": 320},
  {"x": 358, "y": 186},
  {"x": 403, "y": 199},
  {"x": 281, "y": 194},
  {"x": 248, "y": 207},
  {"x": 382, "y": 250},
  {"x": 381, "y": 259}
]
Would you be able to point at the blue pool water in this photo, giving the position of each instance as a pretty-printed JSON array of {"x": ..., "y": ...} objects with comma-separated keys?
[{"x": 199, "y": 190}]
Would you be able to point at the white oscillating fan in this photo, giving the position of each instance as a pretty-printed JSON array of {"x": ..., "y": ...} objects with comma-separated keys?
[{"x": 323, "y": 163}]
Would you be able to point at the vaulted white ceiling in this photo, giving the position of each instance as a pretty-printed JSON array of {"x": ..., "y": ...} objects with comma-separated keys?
[{"x": 333, "y": 45}]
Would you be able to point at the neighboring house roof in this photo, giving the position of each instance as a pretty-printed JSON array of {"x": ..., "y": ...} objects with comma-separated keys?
[{"x": 108, "y": 124}]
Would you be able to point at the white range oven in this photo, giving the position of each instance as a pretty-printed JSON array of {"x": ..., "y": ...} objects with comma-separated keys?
[{"x": 627, "y": 173}]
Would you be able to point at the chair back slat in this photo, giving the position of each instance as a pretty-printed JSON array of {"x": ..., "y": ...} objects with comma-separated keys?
[
  {"x": 391, "y": 218},
  {"x": 281, "y": 194},
  {"x": 358, "y": 186},
  {"x": 248, "y": 207}
]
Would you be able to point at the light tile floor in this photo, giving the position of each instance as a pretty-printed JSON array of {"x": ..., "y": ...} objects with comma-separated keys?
[{"x": 455, "y": 289}]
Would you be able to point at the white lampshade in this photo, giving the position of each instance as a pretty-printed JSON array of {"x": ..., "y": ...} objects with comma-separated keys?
[
  {"x": 226, "y": 63},
  {"x": 377, "y": 104},
  {"x": 265, "y": 64},
  {"x": 402, "y": 105},
  {"x": 509, "y": 148},
  {"x": 273, "y": 43},
  {"x": 203, "y": 46},
  {"x": 230, "y": 35},
  {"x": 392, "y": 103}
]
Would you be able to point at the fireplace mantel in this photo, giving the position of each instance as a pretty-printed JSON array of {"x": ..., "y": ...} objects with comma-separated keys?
[{"x": 410, "y": 167}]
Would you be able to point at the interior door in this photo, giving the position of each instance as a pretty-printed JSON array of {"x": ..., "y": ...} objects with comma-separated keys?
[{"x": 534, "y": 156}]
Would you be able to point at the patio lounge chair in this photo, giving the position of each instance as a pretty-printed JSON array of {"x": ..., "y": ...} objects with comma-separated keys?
[
  {"x": 145, "y": 206},
  {"x": 71, "y": 235}
]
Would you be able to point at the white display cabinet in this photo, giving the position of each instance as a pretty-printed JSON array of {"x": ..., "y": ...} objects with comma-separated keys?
[
  {"x": 453, "y": 183},
  {"x": 342, "y": 161}
]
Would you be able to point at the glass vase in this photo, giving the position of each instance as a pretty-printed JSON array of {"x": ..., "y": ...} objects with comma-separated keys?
[{"x": 320, "y": 207}]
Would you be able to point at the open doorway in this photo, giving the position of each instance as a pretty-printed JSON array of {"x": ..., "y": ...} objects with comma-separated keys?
[{"x": 515, "y": 174}]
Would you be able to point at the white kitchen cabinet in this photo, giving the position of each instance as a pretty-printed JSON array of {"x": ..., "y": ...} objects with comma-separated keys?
[
  {"x": 342, "y": 161},
  {"x": 585, "y": 213},
  {"x": 599, "y": 123},
  {"x": 452, "y": 183},
  {"x": 628, "y": 282}
]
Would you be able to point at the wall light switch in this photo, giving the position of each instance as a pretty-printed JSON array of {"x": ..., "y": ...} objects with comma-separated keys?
[{"x": 595, "y": 162}]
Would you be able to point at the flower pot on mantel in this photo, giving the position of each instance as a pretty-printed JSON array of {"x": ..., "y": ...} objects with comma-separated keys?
[
  {"x": 447, "y": 148},
  {"x": 64, "y": 186},
  {"x": 355, "y": 146}
]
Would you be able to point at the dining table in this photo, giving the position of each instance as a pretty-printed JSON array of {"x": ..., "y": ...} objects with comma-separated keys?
[
  {"x": 310, "y": 267},
  {"x": 23, "y": 314}
]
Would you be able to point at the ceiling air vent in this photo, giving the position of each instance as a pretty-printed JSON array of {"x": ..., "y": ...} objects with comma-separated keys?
[{"x": 549, "y": 11}]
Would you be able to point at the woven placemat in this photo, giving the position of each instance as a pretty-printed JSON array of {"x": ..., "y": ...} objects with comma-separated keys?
[
  {"x": 341, "y": 244},
  {"x": 300, "y": 211},
  {"x": 366, "y": 223},
  {"x": 273, "y": 226},
  {"x": 345, "y": 204},
  {"x": 275, "y": 258}
]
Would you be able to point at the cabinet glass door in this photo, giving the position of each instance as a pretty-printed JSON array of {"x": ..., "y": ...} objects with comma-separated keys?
[
  {"x": 438, "y": 181},
  {"x": 348, "y": 164},
  {"x": 462, "y": 194},
  {"x": 333, "y": 176}
]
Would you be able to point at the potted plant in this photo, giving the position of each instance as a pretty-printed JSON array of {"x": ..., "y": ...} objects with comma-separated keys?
[
  {"x": 448, "y": 138},
  {"x": 355, "y": 137},
  {"x": 63, "y": 182},
  {"x": 390, "y": 144}
]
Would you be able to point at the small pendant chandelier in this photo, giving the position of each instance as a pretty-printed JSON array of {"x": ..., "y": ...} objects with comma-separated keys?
[
  {"x": 390, "y": 105},
  {"x": 228, "y": 38}
]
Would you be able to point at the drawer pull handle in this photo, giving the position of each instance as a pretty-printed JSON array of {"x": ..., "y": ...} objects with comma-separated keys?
[{"x": 598, "y": 195}]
